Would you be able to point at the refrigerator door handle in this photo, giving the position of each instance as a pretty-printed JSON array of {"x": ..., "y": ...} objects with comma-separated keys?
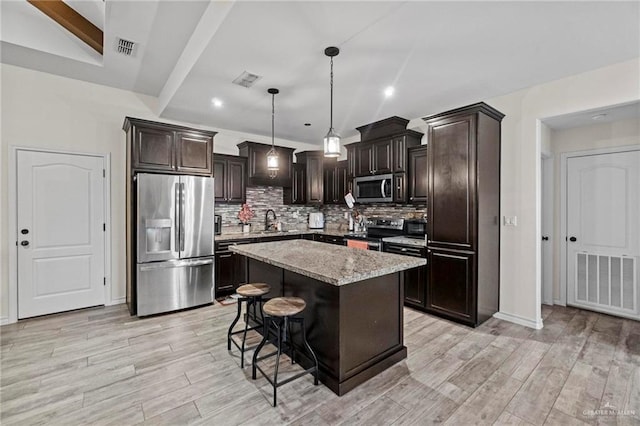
[
  {"x": 182, "y": 230},
  {"x": 198, "y": 262},
  {"x": 176, "y": 217},
  {"x": 182, "y": 264}
]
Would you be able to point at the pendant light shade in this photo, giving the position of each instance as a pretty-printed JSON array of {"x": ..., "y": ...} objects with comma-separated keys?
[
  {"x": 272, "y": 155},
  {"x": 332, "y": 139}
]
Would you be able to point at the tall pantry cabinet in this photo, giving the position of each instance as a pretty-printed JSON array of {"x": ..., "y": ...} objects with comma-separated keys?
[{"x": 463, "y": 209}]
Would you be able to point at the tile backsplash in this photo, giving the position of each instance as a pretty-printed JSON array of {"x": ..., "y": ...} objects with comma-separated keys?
[{"x": 262, "y": 198}]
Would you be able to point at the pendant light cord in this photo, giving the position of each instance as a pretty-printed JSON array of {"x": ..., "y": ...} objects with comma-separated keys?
[
  {"x": 273, "y": 114},
  {"x": 331, "y": 114}
]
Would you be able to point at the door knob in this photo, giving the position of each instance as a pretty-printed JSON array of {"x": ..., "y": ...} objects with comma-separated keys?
[
  {"x": 24, "y": 243},
  {"x": 545, "y": 238},
  {"x": 24, "y": 231},
  {"x": 573, "y": 239}
]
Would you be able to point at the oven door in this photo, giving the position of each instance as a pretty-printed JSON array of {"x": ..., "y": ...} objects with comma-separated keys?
[{"x": 373, "y": 189}]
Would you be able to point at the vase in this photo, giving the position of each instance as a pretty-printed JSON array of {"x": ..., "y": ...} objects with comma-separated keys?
[{"x": 246, "y": 227}]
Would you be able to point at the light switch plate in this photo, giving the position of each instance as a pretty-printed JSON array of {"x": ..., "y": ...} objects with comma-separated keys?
[{"x": 510, "y": 220}]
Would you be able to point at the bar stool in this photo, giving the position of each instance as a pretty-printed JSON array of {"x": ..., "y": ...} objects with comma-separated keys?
[
  {"x": 252, "y": 295},
  {"x": 279, "y": 313}
]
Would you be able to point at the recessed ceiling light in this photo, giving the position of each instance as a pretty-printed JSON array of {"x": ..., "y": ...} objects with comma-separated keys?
[
  {"x": 388, "y": 92},
  {"x": 216, "y": 102},
  {"x": 598, "y": 116}
]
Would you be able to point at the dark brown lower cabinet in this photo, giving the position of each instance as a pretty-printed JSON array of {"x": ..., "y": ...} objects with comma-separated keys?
[
  {"x": 451, "y": 285},
  {"x": 415, "y": 287},
  {"x": 230, "y": 270}
]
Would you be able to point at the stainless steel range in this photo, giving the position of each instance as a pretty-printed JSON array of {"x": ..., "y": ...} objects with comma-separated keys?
[{"x": 377, "y": 229}]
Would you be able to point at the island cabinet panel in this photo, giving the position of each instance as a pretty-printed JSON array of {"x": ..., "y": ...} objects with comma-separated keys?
[
  {"x": 169, "y": 148},
  {"x": 356, "y": 330}
]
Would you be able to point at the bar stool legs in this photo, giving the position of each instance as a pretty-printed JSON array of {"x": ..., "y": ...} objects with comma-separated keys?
[
  {"x": 281, "y": 323},
  {"x": 251, "y": 295}
]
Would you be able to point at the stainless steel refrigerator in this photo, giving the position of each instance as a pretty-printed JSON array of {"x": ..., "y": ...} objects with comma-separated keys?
[{"x": 175, "y": 225}]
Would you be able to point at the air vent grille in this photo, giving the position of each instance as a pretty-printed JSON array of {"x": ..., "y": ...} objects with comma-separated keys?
[
  {"x": 246, "y": 79},
  {"x": 125, "y": 47}
]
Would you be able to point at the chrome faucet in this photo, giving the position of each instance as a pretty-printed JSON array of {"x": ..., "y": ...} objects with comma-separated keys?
[{"x": 268, "y": 225}]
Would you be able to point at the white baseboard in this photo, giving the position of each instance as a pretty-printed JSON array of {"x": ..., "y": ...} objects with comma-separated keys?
[
  {"x": 4, "y": 320},
  {"x": 117, "y": 301},
  {"x": 558, "y": 302},
  {"x": 548, "y": 302},
  {"x": 516, "y": 319}
]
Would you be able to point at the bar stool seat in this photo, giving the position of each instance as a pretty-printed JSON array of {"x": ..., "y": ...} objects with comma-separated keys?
[
  {"x": 251, "y": 294},
  {"x": 280, "y": 312},
  {"x": 284, "y": 306},
  {"x": 253, "y": 289}
]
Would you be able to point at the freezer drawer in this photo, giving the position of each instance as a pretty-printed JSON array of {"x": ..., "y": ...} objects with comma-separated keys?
[{"x": 172, "y": 285}]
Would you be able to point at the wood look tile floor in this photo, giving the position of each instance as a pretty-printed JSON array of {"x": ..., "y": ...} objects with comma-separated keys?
[{"x": 102, "y": 366}]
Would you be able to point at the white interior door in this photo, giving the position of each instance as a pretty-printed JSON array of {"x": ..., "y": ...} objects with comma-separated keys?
[
  {"x": 603, "y": 240},
  {"x": 60, "y": 234}
]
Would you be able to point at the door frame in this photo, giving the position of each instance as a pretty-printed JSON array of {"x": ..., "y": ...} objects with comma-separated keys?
[
  {"x": 12, "y": 183},
  {"x": 547, "y": 165},
  {"x": 564, "y": 157}
]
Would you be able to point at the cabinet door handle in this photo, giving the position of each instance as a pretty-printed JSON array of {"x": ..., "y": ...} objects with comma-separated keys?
[{"x": 410, "y": 198}]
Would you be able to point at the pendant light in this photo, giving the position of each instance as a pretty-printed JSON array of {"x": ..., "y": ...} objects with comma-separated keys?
[
  {"x": 332, "y": 139},
  {"x": 272, "y": 155}
]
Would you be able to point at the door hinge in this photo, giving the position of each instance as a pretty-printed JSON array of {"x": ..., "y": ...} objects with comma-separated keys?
[
  {"x": 104, "y": 173},
  {"x": 104, "y": 227},
  {"x": 104, "y": 281}
]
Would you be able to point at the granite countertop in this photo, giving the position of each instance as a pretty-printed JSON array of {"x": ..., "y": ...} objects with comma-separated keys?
[
  {"x": 337, "y": 265},
  {"x": 416, "y": 242},
  {"x": 245, "y": 235}
]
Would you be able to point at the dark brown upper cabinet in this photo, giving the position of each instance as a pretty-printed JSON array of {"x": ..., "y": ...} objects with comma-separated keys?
[
  {"x": 168, "y": 148},
  {"x": 418, "y": 177},
  {"x": 314, "y": 185},
  {"x": 257, "y": 173},
  {"x": 335, "y": 181},
  {"x": 229, "y": 172},
  {"x": 296, "y": 193},
  {"x": 383, "y": 148}
]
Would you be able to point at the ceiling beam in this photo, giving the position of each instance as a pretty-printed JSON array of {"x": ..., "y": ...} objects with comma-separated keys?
[
  {"x": 71, "y": 20},
  {"x": 211, "y": 21}
]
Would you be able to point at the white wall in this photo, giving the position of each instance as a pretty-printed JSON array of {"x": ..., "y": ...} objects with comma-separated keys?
[
  {"x": 520, "y": 192},
  {"x": 602, "y": 135},
  {"x": 48, "y": 111}
]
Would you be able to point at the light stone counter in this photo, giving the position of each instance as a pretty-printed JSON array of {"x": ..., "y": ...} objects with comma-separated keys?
[{"x": 329, "y": 263}]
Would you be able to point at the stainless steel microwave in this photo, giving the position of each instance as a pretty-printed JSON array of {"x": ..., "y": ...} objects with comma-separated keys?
[{"x": 373, "y": 189}]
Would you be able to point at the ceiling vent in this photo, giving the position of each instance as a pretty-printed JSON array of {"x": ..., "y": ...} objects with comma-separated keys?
[
  {"x": 246, "y": 79},
  {"x": 125, "y": 47}
]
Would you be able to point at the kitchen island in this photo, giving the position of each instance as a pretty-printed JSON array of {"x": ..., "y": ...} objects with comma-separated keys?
[{"x": 354, "y": 317}]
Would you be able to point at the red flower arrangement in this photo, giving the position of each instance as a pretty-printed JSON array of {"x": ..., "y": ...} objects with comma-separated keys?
[{"x": 245, "y": 214}]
